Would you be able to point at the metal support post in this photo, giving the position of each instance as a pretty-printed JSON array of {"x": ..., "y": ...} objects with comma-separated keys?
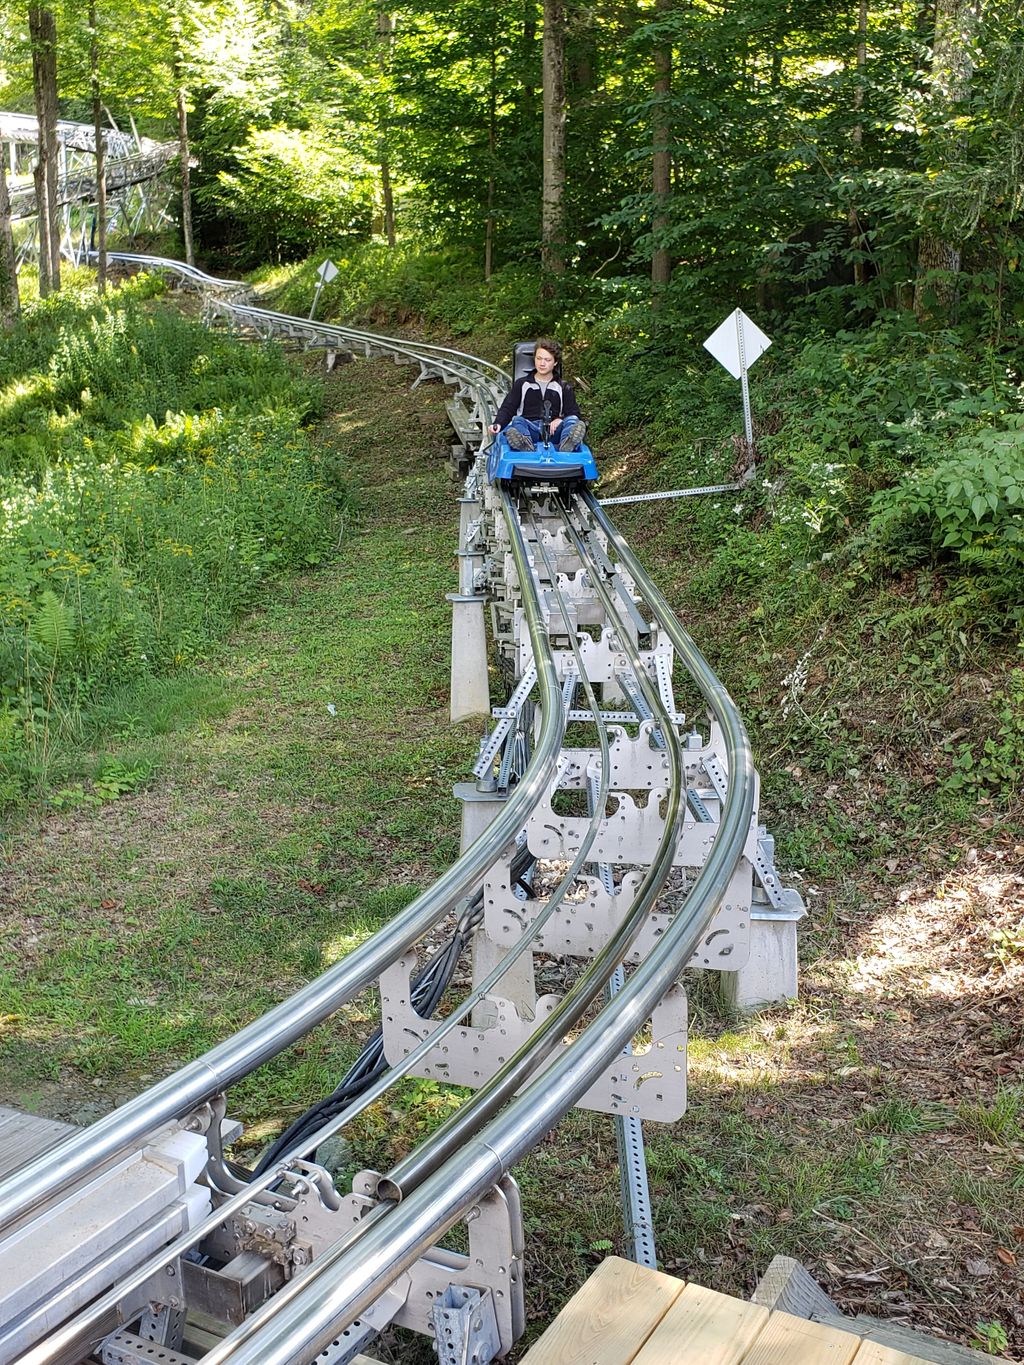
[
  {"x": 471, "y": 562},
  {"x": 629, "y": 1135},
  {"x": 748, "y": 425},
  {"x": 469, "y": 511},
  {"x": 465, "y": 1327}
]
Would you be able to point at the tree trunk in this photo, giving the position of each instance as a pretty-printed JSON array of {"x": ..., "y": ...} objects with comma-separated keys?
[
  {"x": 43, "y": 33},
  {"x": 389, "y": 200},
  {"x": 386, "y": 37},
  {"x": 527, "y": 93},
  {"x": 552, "y": 233},
  {"x": 661, "y": 164},
  {"x": 184, "y": 156},
  {"x": 10, "y": 303},
  {"x": 938, "y": 261},
  {"x": 857, "y": 242},
  {"x": 101, "y": 158},
  {"x": 492, "y": 149}
]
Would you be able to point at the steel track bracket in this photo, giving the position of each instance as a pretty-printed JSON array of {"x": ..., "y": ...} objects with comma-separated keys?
[
  {"x": 465, "y": 1327},
  {"x": 125, "y": 1348},
  {"x": 508, "y": 715},
  {"x": 785, "y": 902}
]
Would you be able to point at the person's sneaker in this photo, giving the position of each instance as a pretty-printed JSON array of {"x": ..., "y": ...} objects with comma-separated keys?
[
  {"x": 518, "y": 440},
  {"x": 573, "y": 437}
]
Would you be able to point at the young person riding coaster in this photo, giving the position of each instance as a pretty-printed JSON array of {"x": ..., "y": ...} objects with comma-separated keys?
[{"x": 541, "y": 406}]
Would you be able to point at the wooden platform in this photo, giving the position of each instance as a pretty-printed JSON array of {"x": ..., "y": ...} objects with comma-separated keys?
[
  {"x": 24, "y": 1136},
  {"x": 628, "y": 1315}
]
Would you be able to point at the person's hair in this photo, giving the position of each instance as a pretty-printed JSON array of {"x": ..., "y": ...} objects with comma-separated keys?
[{"x": 554, "y": 347}]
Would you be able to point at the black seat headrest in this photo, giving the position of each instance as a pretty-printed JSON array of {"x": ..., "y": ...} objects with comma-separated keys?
[{"x": 522, "y": 360}]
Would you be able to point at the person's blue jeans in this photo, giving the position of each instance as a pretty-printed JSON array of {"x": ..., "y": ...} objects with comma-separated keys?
[{"x": 533, "y": 429}]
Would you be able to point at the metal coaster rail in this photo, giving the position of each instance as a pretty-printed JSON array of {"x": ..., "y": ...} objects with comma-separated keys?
[
  {"x": 130, "y": 160},
  {"x": 479, "y": 383},
  {"x": 471, "y": 1156},
  {"x": 138, "y": 175}
]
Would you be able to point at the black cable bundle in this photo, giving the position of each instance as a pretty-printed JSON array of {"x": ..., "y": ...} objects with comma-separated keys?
[{"x": 428, "y": 987}]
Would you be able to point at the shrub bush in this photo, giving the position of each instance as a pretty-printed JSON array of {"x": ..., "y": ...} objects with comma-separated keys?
[
  {"x": 296, "y": 191},
  {"x": 966, "y": 508},
  {"x": 128, "y": 542}
]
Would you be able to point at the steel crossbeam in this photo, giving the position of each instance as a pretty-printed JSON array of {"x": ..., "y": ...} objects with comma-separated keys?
[
  {"x": 641, "y": 708},
  {"x": 509, "y": 715},
  {"x": 126, "y": 1348},
  {"x": 673, "y": 493}
]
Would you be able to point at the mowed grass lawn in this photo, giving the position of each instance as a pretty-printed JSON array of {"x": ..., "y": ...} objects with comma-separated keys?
[{"x": 304, "y": 800}]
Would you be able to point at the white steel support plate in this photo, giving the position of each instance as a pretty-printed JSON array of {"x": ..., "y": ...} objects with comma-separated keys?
[
  {"x": 650, "y": 1083},
  {"x": 581, "y": 926},
  {"x": 602, "y": 658},
  {"x": 495, "y": 1258},
  {"x": 630, "y": 835}
]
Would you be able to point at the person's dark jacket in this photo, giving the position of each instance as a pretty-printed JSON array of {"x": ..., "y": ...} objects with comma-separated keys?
[{"x": 525, "y": 400}]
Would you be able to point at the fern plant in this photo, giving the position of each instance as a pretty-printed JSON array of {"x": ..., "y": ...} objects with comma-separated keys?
[{"x": 53, "y": 626}]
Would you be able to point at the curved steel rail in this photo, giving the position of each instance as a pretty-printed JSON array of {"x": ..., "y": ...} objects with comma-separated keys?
[
  {"x": 346, "y": 1280},
  {"x": 230, "y": 1061},
  {"x": 427, "y": 1193},
  {"x": 478, "y": 380},
  {"x": 90, "y": 1326}
]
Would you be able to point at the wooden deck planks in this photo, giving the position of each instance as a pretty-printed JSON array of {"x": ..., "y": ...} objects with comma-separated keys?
[
  {"x": 786, "y": 1340},
  {"x": 874, "y": 1353},
  {"x": 628, "y": 1315},
  {"x": 705, "y": 1327},
  {"x": 609, "y": 1318},
  {"x": 24, "y": 1137}
]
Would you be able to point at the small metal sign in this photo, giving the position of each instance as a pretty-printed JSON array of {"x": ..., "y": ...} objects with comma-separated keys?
[
  {"x": 736, "y": 344},
  {"x": 325, "y": 273}
]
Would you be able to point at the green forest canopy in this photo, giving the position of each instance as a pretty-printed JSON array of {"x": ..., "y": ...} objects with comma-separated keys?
[{"x": 737, "y": 149}]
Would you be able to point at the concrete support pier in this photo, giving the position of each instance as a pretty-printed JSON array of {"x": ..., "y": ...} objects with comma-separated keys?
[
  {"x": 470, "y": 688},
  {"x": 769, "y": 976}
]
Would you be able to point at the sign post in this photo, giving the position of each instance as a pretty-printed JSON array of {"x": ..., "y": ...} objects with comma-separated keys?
[
  {"x": 325, "y": 274},
  {"x": 736, "y": 344}
]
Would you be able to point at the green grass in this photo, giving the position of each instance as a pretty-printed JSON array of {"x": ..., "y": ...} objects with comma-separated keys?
[
  {"x": 899, "y": 1115},
  {"x": 155, "y": 480},
  {"x": 275, "y": 834},
  {"x": 1001, "y": 1120}
]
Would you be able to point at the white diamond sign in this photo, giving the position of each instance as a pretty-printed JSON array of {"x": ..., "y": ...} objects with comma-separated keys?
[
  {"x": 737, "y": 343},
  {"x": 325, "y": 273}
]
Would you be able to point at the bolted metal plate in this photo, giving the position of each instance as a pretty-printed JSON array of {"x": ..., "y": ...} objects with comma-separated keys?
[
  {"x": 650, "y": 1083},
  {"x": 495, "y": 1259},
  {"x": 581, "y": 926}
]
